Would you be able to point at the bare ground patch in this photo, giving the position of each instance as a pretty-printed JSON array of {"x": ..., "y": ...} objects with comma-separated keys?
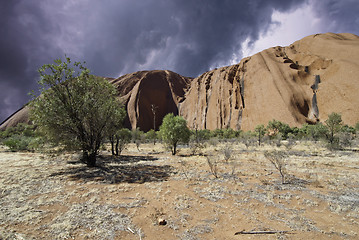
[{"x": 43, "y": 197}]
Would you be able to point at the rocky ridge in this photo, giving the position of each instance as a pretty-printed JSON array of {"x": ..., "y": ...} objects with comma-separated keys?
[{"x": 301, "y": 83}]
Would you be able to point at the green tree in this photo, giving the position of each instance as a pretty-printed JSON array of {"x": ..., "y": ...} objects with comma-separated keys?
[
  {"x": 123, "y": 137},
  {"x": 75, "y": 109},
  {"x": 138, "y": 137},
  {"x": 260, "y": 131},
  {"x": 357, "y": 127},
  {"x": 316, "y": 131},
  {"x": 174, "y": 130},
  {"x": 334, "y": 125},
  {"x": 116, "y": 124},
  {"x": 151, "y": 135},
  {"x": 277, "y": 127}
]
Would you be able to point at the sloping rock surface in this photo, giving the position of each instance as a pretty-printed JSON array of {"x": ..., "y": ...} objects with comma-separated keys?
[
  {"x": 149, "y": 93},
  {"x": 303, "y": 82}
]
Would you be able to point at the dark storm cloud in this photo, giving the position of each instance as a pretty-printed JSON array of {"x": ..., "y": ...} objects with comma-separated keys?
[
  {"x": 185, "y": 36},
  {"x": 117, "y": 37},
  {"x": 340, "y": 16}
]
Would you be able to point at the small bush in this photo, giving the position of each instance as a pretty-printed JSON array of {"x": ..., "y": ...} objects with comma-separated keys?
[
  {"x": 213, "y": 162},
  {"x": 227, "y": 152},
  {"x": 22, "y": 137},
  {"x": 152, "y": 136},
  {"x": 278, "y": 159},
  {"x": 22, "y": 143}
]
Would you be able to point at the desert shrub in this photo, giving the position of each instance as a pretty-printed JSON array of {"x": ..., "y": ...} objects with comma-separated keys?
[
  {"x": 198, "y": 140},
  {"x": 290, "y": 142},
  {"x": 217, "y": 133},
  {"x": 196, "y": 146},
  {"x": 151, "y": 135},
  {"x": 260, "y": 131},
  {"x": 213, "y": 141},
  {"x": 248, "y": 139},
  {"x": 75, "y": 109},
  {"x": 275, "y": 127},
  {"x": 17, "y": 143},
  {"x": 22, "y": 137},
  {"x": 124, "y": 138},
  {"x": 346, "y": 136},
  {"x": 202, "y": 134},
  {"x": 138, "y": 137},
  {"x": 173, "y": 131},
  {"x": 229, "y": 133},
  {"x": 334, "y": 126},
  {"x": 23, "y": 143},
  {"x": 315, "y": 132},
  {"x": 276, "y": 140},
  {"x": 213, "y": 162},
  {"x": 227, "y": 152},
  {"x": 357, "y": 127},
  {"x": 346, "y": 139},
  {"x": 278, "y": 159},
  {"x": 348, "y": 129}
]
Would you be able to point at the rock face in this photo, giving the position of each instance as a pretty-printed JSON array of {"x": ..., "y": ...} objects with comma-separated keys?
[
  {"x": 20, "y": 116},
  {"x": 150, "y": 92},
  {"x": 303, "y": 82}
]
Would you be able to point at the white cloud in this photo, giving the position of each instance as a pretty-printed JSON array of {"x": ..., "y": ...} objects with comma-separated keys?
[{"x": 286, "y": 28}]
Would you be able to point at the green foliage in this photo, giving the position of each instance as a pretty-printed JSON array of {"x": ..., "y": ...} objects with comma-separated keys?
[
  {"x": 348, "y": 129},
  {"x": 151, "y": 135},
  {"x": 124, "y": 137},
  {"x": 260, "y": 131},
  {"x": 248, "y": 138},
  {"x": 174, "y": 130},
  {"x": 357, "y": 126},
  {"x": 19, "y": 129},
  {"x": 334, "y": 125},
  {"x": 276, "y": 127},
  {"x": 138, "y": 137},
  {"x": 229, "y": 133},
  {"x": 201, "y": 135},
  {"x": 317, "y": 131},
  {"x": 198, "y": 139},
  {"x": 22, "y": 137},
  {"x": 217, "y": 133},
  {"x": 75, "y": 109}
]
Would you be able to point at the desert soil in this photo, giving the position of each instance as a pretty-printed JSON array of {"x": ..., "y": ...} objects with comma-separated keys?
[{"x": 49, "y": 196}]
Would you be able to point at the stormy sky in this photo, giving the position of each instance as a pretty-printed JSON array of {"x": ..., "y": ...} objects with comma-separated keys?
[{"x": 116, "y": 37}]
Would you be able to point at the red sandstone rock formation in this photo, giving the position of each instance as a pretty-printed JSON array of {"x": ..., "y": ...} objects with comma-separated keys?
[
  {"x": 277, "y": 84},
  {"x": 303, "y": 82},
  {"x": 140, "y": 90}
]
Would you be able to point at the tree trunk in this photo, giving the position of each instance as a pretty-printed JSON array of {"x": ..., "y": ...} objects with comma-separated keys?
[
  {"x": 112, "y": 145},
  {"x": 117, "y": 144},
  {"x": 174, "y": 149},
  {"x": 89, "y": 159}
]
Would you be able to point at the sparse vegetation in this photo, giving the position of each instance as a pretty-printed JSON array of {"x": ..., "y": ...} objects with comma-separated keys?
[
  {"x": 151, "y": 135},
  {"x": 212, "y": 161},
  {"x": 260, "y": 131},
  {"x": 138, "y": 137},
  {"x": 278, "y": 159},
  {"x": 334, "y": 126},
  {"x": 123, "y": 137},
  {"x": 75, "y": 109},
  {"x": 47, "y": 197},
  {"x": 23, "y": 137},
  {"x": 173, "y": 131}
]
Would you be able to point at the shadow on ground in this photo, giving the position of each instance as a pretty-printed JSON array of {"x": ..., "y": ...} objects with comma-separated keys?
[{"x": 121, "y": 169}]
